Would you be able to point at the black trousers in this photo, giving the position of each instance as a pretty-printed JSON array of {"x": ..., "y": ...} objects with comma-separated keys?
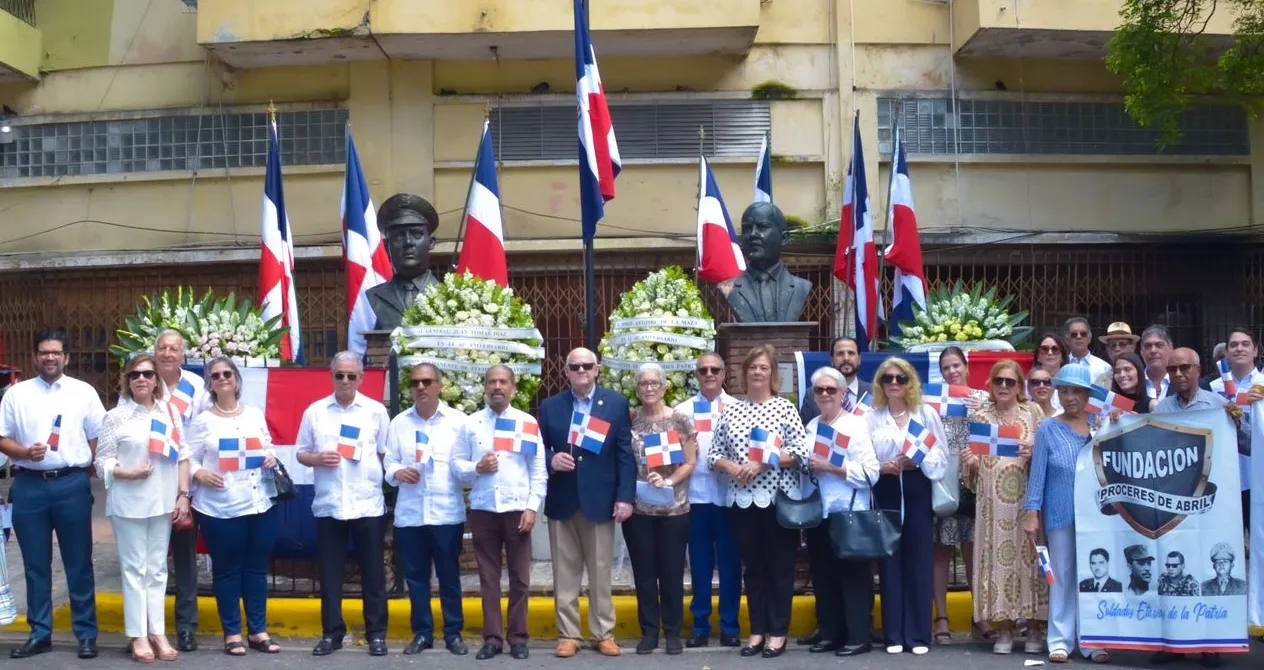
[
  {"x": 767, "y": 551},
  {"x": 843, "y": 590},
  {"x": 656, "y": 545},
  {"x": 184, "y": 560},
  {"x": 908, "y": 582},
  {"x": 367, "y": 536}
]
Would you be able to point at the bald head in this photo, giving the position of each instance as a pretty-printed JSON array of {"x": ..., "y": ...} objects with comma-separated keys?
[
  {"x": 581, "y": 371},
  {"x": 1183, "y": 370}
]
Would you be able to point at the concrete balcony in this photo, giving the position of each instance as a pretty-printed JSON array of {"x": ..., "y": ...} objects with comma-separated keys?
[
  {"x": 20, "y": 52},
  {"x": 1054, "y": 29},
  {"x": 252, "y": 34}
]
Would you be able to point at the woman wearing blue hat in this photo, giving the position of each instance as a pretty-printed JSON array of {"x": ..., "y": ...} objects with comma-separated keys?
[{"x": 1051, "y": 490}]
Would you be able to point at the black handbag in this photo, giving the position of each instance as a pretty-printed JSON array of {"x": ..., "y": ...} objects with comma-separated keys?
[
  {"x": 284, "y": 484},
  {"x": 800, "y": 514},
  {"x": 865, "y": 535}
]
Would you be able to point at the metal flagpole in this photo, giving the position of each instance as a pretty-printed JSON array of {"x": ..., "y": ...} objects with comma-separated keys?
[
  {"x": 590, "y": 281},
  {"x": 890, "y": 210}
]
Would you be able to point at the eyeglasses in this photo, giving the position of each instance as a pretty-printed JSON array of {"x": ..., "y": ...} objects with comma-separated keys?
[
  {"x": 706, "y": 370},
  {"x": 1040, "y": 382},
  {"x": 1183, "y": 368},
  {"x": 1047, "y": 349},
  {"x": 348, "y": 376},
  {"x": 898, "y": 380},
  {"x": 650, "y": 386},
  {"x": 1006, "y": 382},
  {"x": 137, "y": 374},
  {"x": 222, "y": 374},
  {"x": 576, "y": 367},
  {"x": 427, "y": 382},
  {"x": 830, "y": 391},
  {"x": 1077, "y": 334}
]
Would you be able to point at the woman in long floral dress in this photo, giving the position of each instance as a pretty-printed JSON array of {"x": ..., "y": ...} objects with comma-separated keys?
[{"x": 1007, "y": 585}]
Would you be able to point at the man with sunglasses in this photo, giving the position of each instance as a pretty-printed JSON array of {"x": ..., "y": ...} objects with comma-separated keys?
[
  {"x": 342, "y": 438},
  {"x": 711, "y": 543},
  {"x": 49, "y": 426},
  {"x": 591, "y": 487},
  {"x": 1079, "y": 336},
  {"x": 845, "y": 357}
]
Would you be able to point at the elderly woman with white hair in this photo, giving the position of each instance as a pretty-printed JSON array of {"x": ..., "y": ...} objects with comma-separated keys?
[{"x": 657, "y": 533}]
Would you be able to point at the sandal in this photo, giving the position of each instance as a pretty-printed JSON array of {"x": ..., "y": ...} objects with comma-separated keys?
[
  {"x": 943, "y": 636},
  {"x": 1057, "y": 656},
  {"x": 266, "y": 645},
  {"x": 981, "y": 635},
  {"x": 162, "y": 648},
  {"x": 235, "y": 648},
  {"x": 1099, "y": 656},
  {"x": 146, "y": 656}
]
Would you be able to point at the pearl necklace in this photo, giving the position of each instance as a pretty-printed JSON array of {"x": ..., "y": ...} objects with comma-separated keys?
[{"x": 229, "y": 413}]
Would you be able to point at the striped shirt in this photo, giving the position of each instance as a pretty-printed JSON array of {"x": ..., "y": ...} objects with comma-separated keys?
[{"x": 1051, "y": 487}]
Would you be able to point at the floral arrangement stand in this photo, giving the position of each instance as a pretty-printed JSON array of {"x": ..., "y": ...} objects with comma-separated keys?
[
  {"x": 211, "y": 327},
  {"x": 971, "y": 318},
  {"x": 737, "y": 339}
]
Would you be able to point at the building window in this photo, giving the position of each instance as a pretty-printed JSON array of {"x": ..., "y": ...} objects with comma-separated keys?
[
  {"x": 650, "y": 131},
  {"x": 165, "y": 143},
  {"x": 931, "y": 126}
]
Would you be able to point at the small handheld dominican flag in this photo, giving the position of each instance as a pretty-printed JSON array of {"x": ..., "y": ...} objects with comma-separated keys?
[
  {"x": 349, "y": 442},
  {"x": 918, "y": 441},
  {"x": 1101, "y": 400},
  {"x": 160, "y": 442},
  {"x": 588, "y": 432},
  {"x": 862, "y": 406},
  {"x": 1046, "y": 568},
  {"x": 240, "y": 453},
  {"x": 182, "y": 397},
  {"x": 947, "y": 399},
  {"x": 704, "y": 415},
  {"x": 1226, "y": 376},
  {"x": 54, "y": 436},
  {"x": 765, "y": 447},
  {"x": 989, "y": 439},
  {"x": 423, "y": 447},
  {"x": 519, "y": 437},
  {"x": 830, "y": 445},
  {"x": 663, "y": 449}
]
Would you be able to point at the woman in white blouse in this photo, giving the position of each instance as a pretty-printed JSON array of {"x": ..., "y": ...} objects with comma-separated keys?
[
  {"x": 230, "y": 448},
  {"x": 147, "y": 487},
  {"x": 899, "y": 418},
  {"x": 845, "y": 467},
  {"x": 767, "y": 550}
]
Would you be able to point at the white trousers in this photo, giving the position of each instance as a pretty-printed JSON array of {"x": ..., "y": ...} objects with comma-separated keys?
[
  {"x": 142, "y": 547},
  {"x": 1064, "y": 597}
]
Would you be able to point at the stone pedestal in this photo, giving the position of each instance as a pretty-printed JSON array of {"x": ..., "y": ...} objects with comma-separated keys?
[
  {"x": 737, "y": 339},
  {"x": 378, "y": 350}
]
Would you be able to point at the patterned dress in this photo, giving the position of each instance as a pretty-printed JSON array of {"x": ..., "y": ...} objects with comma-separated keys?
[
  {"x": 958, "y": 529},
  {"x": 1007, "y": 584}
]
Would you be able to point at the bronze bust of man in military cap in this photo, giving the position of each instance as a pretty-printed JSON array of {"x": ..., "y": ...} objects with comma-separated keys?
[
  {"x": 766, "y": 292},
  {"x": 407, "y": 223}
]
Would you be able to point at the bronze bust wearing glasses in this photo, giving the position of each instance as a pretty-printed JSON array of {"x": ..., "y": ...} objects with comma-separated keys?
[{"x": 408, "y": 223}]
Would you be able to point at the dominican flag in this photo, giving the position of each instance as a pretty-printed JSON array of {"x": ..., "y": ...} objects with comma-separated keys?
[
  {"x": 1226, "y": 376},
  {"x": 905, "y": 252},
  {"x": 947, "y": 399},
  {"x": 276, "y": 262},
  {"x": 862, "y": 406},
  {"x": 856, "y": 258},
  {"x": 54, "y": 436},
  {"x": 990, "y": 439},
  {"x": 161, "y": 442},
  {"x": 363, "y": 251},
  {"x": 1101, "y": 399},
  {"x": 241, "y": 453},
  {"x": 830, "y": 445},
  {"x": 763, "y": 170},
  {"x": 182, "y": 397},
  {"x": 422, "y": 447},
  {"x": 719, "y": 253},
  {"x": 765, "y": 447},
  {"x": 704, "y": 414},
  {"x": 519, "y": 437},
  {"x": 599, "y": 160},
  {"x": 1046, "y": 566},
  {"x": 663, "y": 449},
  {"x": 918, "y": 441},
  {"x": 349, "y": 442},
  {"x": 588, "y": 432},
  {"x": 483, "y": 249}
]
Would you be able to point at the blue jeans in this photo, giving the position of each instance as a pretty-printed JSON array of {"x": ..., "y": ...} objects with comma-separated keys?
[
  {"x": 440, "y": 546},
  {"x": 711, "y": 546},
  {"x": 241, "y": 550},
  {"x": 40, "y": 508}
]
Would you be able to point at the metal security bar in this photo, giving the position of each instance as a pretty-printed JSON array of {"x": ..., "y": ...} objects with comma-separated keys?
[{"x": 22, "y": 10}]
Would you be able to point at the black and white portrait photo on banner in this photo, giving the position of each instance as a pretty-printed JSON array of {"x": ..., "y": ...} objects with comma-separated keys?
[{"x": 1159, "y": 541}]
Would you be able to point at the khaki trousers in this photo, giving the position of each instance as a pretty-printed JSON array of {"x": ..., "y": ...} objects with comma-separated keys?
[{"x": 579, "y": 544}]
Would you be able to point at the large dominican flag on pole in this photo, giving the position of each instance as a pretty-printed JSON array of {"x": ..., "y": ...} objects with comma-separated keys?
[
  {"x": 719, "y": 252},
  {"x": 763, "y": 171},
  {"x": 363, "y": 251},
  {"x": 483, "y": 249},
  {"x": 856, "y": 259},
  {"x": 276, "y": 262},
  {"x": 599, "y": 160},
  {"x": 905, "y": 252}
]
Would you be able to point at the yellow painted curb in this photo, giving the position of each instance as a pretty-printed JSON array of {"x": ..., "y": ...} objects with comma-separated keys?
[{"x": 300, "y": 617}]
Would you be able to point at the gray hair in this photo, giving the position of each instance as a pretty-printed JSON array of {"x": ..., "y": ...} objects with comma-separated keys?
[
  {"x": 346, "y": 357},
  {"x": 828, "y": 372},
  {"x": 432, "y": 366},
  {"x": 231, "y": 365},
  {"x": 170, "y": 332},
  {"x": 650, "y": 368},
  {"x": 513, "y": 378},
  {"x": 1159, "y": 331}
]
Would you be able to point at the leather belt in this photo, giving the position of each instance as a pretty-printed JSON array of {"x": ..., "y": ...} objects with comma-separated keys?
[{"x": 49, "y": 475}]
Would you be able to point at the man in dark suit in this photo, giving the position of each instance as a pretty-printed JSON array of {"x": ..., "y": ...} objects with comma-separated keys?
[
  {"x": 1101, "y": 581},
  {"x": 766, "y": 292},
  {"x": 592, "y": 483},
  {"x": 408, "y": 223},
  {"x": 845, "y": 356}
]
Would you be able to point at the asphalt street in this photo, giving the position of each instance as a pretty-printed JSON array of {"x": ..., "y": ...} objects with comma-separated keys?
[{"x": 296, "y": 655}]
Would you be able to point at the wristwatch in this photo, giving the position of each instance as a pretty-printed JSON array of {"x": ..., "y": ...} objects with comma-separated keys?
[
  {"x": 184, "y": 494},
  {"x": 668, "y": 482}
]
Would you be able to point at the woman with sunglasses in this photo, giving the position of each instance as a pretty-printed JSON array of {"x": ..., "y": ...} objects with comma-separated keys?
[
  {"x": 899, "y": 417},
  {"x": 1128, "y": 381},
  {"x": 1007, "y": 586},
  {"x": 957, "y": 530},
  {"x": 1051, "y": 498},
  {"x": 230, "y": 447},
  {"x": 766, "y": 426},
  {"x": 1040, "y": 390},
  {"x": 146, "y": 491},
  {"x": 845, "y": 467},
  {"x": 1051, "y": 354}
]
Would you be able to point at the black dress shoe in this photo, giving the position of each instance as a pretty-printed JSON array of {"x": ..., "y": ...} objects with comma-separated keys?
[
  {"x": 854, "y": 650},
  {"x": 730, "y": 641},
  {"x": 749, "y": 651},
  {"x": 814, "y": 638},
  {"x": 186, "y": 640},
  {"x": 456, "y": 645},
  {"x": 697, "y": 641},
  {"x": 488, "y": 651},
  {"x": 519, "y": 651},
  {"x": 769, "y": 652},
  {"x": 647, "y": 644},
  {"x": 674, "y": 646},
  {"x": 823, "y": 646},
  {"x": 32, "y": 647},
  {"x": 377, "y": 646},
  {"x": 326, "y": 646},
  {"x": 87, "y": 649},
  {"x": 419, "y": 644},
  {"x": 1211, "y": 659}
]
